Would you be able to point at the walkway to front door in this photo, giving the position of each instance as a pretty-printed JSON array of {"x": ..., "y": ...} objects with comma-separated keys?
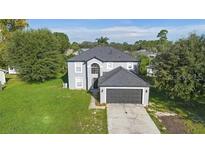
[{"x": 129, "y": 119}]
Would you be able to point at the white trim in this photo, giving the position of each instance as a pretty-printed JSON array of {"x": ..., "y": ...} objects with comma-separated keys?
[
  {"x": 128, "y": 66},
  {"x": 109, "y": 66},
  {"x": 77, "y": 64},
  {"x": 78, "y": 79}
]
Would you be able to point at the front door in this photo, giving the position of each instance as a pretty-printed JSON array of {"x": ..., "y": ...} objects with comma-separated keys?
[{"x": 95, "y": 83}]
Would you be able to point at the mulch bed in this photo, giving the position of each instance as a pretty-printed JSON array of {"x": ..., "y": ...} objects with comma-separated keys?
[{"x": 173, "y": 124}]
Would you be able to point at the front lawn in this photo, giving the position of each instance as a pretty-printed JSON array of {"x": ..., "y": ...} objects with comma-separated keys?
[
  {"x": 190, "y": 116},
  {"x": 47, "y": 108}
]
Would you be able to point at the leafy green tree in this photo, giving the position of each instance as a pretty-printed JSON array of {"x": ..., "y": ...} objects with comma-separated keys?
[
  {"x": 75, "y": 46},
  {"x": 7, "y": 27},
  {"x": 35, "y": 53},
  {"x": 3, "y": 56},
  {"x": 63, "y": 41},
  {"x": 163, "y": 35},
  {"x": 181, "y": 70},
  {"x": 163, "y": 44},
  {"x": 102, "y": 40},
  {"x": 151, "y": 45},
  {"x": 10, "y": 25},
  {"x": 144, "y": 62}
]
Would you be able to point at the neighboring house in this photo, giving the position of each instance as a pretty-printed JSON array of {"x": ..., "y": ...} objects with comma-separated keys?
[
  {"x": 12, "y": 70},
  {"x": 150, "y": 70},
  {"x": 110, "y": 71},
  {"x": 3, "y": 76}
]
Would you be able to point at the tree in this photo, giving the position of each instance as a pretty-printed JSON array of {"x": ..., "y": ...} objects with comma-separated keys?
[
  {"x": 102, "y": 40},
  {"x": 7, "y": 27},
  {"x": 163, "y": 44},
  {"x": 163, "y": 35},
  {"x": 3, "y": 56},
  {"x": 151, "y": 45},
  {"x": 10, "y": 25},
  {"x": 63, "y": 41},
  {"x": 144, "y": 62},
  {"x": 35, "y": 53},
  {"x": 75, "y": 46},
  {"x": 181, "y": 70}
]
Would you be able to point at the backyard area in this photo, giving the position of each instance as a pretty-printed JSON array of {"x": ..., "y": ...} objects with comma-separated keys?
[
  {"x": 175, "y": 116},
  {"x": 35, "y": 108}
]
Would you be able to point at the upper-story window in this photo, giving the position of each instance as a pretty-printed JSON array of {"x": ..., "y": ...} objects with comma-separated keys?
[
  {"x": 109, "y": 66},
  {"x": 95, "y": 68},
  {"x": 130, "y": 66},
  {"x": 78, "y": 68}
]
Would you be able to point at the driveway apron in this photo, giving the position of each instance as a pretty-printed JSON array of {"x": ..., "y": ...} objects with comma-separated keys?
[{"x": 129, "y": 119}]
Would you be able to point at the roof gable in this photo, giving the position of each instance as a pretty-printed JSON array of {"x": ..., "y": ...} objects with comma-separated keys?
[
  {"x": 121, "y": 77},
  {"x": 104, "y": 54}
]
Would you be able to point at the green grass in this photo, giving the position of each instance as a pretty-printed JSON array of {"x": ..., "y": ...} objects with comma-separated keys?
[
  {"x": 47, "y": 108},
  {"x": 193, "y": 114}
]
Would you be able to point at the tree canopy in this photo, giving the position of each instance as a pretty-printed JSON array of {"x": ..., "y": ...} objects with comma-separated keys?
[
  {"x": 63, "y": 41},
  {"x": 144, "y": 62},
  {"x": 102, "y": 40},
  {"x": 75, "y": 46},
  {"x": 163, "y": 35},
  {"x": 10, "y": 25},
  {"x": 7, "y": 27},
  {"x": 35, "y": 53},
  {"x": 181, "y": 70}
]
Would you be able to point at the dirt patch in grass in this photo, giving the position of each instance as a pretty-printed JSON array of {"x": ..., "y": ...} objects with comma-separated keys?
[{"x": 173, "y": 124}]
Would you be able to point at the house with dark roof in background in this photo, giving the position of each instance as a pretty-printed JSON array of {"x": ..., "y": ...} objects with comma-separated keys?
[{"x": 111, "y": 72}]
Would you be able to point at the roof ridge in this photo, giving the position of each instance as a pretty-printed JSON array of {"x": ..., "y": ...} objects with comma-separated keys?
[
  {"x": 104, "y": 53},
  {"x": 112, "y": 72},
  {"x": 134, "y": 75}
]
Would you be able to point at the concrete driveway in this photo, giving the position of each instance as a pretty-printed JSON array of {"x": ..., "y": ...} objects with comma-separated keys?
[{"x": 129, "y": 119}]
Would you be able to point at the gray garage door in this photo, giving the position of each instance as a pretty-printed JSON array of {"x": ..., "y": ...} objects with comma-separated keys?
[{"x": 124, "y": 96}]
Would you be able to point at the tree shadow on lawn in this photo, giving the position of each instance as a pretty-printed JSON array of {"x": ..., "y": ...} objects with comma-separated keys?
[{"x": 191, "y": 110}]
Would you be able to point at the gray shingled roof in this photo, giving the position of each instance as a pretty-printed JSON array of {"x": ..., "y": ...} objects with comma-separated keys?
[
  {"x": 104, "y": 53},
  {"x": 121, "y": 77}
]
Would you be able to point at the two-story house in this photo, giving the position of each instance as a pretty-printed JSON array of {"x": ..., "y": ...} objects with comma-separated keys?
[{"x": 111, "y": 71}]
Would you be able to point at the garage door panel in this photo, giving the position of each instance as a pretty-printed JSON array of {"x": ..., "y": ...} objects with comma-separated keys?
[{"x": 124, "y": 96}]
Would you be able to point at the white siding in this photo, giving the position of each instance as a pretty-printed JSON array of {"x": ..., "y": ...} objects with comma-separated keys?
[
  {"x": 72, "y": 75},
  {"x": 2, "y": 77}
]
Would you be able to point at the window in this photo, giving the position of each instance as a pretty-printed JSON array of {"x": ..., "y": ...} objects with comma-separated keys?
[
  {"x": 95, "y": 69},
  {"x": 78, "y": 67},
  {"x": 79, "y": 83},
  {"x": 109, "y": 66},
  {"x": 129, "y": 66}
]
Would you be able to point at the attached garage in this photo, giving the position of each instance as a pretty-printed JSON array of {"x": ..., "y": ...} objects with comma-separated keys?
[
  {"x": 124, "y": 96},
  {"x": 123, "y": 86}
]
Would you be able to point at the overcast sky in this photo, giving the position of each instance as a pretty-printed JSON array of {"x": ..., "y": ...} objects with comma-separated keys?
[{"x": 120, "y": 30}]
